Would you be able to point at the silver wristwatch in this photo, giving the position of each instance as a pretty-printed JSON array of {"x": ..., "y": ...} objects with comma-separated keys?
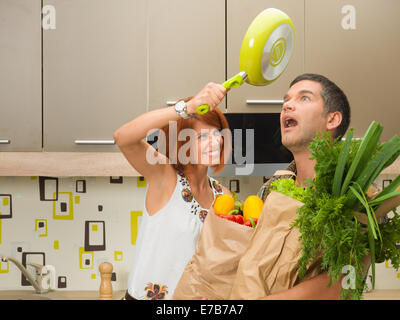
[{"x": 180, "y": 108}]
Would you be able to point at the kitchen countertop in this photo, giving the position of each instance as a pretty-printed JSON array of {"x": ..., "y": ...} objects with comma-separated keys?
[
  {"x": 117, "y": 295},
  {"x": 382, "y": 295},
  {"x": 56, "y": 295},
  {"x": 88, "y": 164},
  {"x": 65, "y": 164}
]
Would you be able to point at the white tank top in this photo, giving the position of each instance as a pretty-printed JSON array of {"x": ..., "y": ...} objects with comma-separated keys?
[{"x": 166, "y": 242}]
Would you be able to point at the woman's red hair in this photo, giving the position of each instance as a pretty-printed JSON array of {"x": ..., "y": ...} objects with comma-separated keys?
[{"x": 213, "y": 118}]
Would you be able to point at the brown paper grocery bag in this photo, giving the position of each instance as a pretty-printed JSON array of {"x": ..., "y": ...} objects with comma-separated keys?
[
  {"x": 211, "y": 271},
  {"x": 269, "y": 264}
]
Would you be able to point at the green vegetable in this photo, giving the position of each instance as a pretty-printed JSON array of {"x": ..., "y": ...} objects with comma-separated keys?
[
  {"x": 238, "y": 203},
  {"x": 344, "y": 171},
  {"x": 341, "y": 164},
  {"x": 234, "y": 211},
  {"x": 368, "y": 145},
  {"x": 388, "y": 249},
  {"x": 376, "y": 165},
  {"x": 390, "y": 188},
  {"x": 372, "y": 222},
  {"x": 287, "y": 187}
]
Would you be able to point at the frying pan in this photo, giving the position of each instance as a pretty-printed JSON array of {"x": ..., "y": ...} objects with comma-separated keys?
[{"x": 265, "y": 52}]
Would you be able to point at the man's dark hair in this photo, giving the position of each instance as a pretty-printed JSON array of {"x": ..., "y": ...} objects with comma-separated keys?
[{"x": 334, "y": 99}]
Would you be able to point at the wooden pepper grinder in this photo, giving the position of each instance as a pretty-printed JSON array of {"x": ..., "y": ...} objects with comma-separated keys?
[{"x": 106, "y": 290}]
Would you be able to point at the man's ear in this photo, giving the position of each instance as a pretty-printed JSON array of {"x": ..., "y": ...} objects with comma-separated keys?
[{"x": 334, "y": 120}]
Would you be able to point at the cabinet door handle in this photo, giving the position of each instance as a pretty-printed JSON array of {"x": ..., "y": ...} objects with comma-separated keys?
[
  {"x": 171, "y": 103},
  {"x": 268, "y": 102},
  {"x": 5, "y": 141},
  {"x": 95, "y": 142}
]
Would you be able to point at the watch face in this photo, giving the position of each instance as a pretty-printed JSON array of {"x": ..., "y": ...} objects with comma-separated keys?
[{"x": 180, "y": 106}]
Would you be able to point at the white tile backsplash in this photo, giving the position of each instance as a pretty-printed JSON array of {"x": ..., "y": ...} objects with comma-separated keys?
[{"x": 105, "y": 199}]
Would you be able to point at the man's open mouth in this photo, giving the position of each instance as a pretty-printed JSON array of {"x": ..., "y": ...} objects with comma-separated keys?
[{"x": 289, "y": 122}]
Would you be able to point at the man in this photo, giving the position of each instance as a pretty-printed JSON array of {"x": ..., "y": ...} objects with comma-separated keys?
[{"x": 313, "y": 103}]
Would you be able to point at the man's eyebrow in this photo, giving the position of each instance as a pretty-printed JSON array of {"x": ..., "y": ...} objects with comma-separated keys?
[
  {"x": 306, "y": 91},
  {"x": 286, "y": 96}
]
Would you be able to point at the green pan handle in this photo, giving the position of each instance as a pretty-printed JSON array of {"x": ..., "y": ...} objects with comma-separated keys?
[{"x": 231, "y": 83}]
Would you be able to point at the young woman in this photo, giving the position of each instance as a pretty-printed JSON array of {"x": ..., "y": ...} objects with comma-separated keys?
[{"x": 179, "y": 191}]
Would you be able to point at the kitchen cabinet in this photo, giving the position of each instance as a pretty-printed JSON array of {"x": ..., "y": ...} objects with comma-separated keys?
[
  {"x": 186, "y": 48},
  {"x": 356, "y": 44},
  {"x": 20, "y": 75},
  {"x": 240, "y": 14},
  {"x": 107, "y": 62},
  {"x": 94, "y": 72}
]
